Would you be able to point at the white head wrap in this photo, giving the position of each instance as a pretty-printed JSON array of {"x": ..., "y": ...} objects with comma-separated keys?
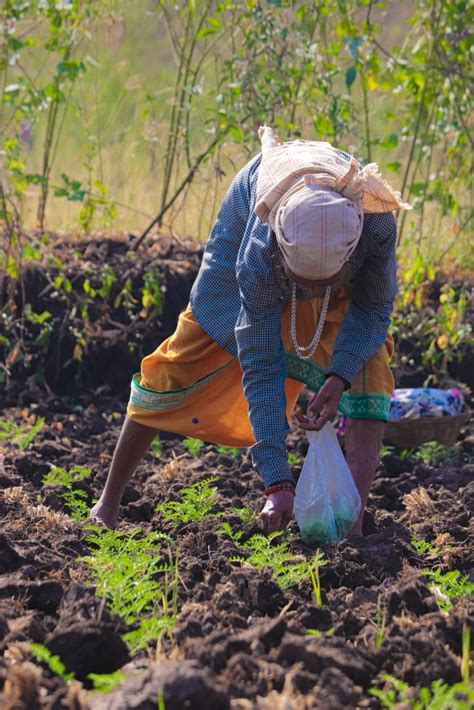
[{"x": 314, "y": 199}]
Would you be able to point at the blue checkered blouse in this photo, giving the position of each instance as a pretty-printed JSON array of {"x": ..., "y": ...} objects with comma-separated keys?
[{"x": 239, "y": 295}]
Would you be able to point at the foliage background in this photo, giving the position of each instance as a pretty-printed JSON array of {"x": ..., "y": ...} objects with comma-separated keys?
[{"x": 108, "y": 106}]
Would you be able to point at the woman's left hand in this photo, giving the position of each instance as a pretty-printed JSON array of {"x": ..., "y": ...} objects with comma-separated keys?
[{"x": 322, "y": 406}]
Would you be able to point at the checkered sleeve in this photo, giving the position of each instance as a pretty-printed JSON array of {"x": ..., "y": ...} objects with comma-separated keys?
[
  {"x": 262, "y": 357},
  {"x": 367, "y": 321}
]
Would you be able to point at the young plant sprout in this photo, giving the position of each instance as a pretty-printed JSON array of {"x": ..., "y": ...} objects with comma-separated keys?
[
  {"x": 43, "y": 655},
  {"x": 193, "y": 446},
  {"x": 448, "y": 586},
  {"x": 231, "y": 451},
  {"x": 21, "y": 435},
  {"x": 75, "y": 499},
  {"x": 138, "y": 576},
  {"x": 106, "y": 682},
  {"x": 156, "y": 447},
  {"x": 197, "y": 503},
  {"x": 320, "y": 634},
  {"x": 466, "y": 653},
  {"x": 313, "y": 569},
  {"x": 439, "y": 696},
  {"x": 263, "y": 551},
  {"x": 381, "y": 622},
  {"x": 294, "y": 459}
]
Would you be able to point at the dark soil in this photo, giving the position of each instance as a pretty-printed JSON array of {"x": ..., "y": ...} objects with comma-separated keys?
[
  {"x": 91, "y": 338},
  {"x": 241, "y": 642}
]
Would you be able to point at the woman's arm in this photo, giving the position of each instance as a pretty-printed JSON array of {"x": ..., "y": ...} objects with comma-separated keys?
[
  {"x": 261, "y": 355},
  {"x": 367, "y": 321}
]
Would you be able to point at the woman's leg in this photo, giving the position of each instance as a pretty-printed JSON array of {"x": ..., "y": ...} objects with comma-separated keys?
[
  {"x": 363, "y": 439},
  {"x": 132, "y": 445}
]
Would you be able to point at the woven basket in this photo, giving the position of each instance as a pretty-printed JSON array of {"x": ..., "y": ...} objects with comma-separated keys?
[{"x": 410, "y": 433}]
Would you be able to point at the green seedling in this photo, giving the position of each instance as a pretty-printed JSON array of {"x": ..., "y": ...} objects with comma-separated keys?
[
  {"x": 246, "y": 515},
  {"x": 313, "y": 569},
  {"x": 105, "y": 682},
  {"x": 149, "y": 630},
  {"x": 197, "y": 503},
  {"x": 423, "y": 547},
  {"x": 193, "y": 446},
  {"x": 287, "y": 568},
  {"x": 226, "y": 529},
  {"x": 61, "y": 477},
  {"x": 156, "y": 447},
  {"x": 466, "y": 653},
  {"x": 294, "y": 459},
  {"x": 19, "y": 435},
  {"x": 42, "y": 654},
  {"x": 434, "y": 454},
  {"x": 75, "y": 499},
  {"x": 381, "y": 622},
  {"x": 385, "y": 450},
  {"x": 161, "y": 700},
  {"x": 448, "y": 586},
  {"x": 139, "y": 579},
  {"x": 320, "y": 634},
  {"x": 124, "y": 568},
  {"x": 439, "y": 696},
  {"x": 232, "y": 451}
]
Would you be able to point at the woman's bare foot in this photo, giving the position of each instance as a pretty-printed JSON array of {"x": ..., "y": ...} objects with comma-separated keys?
[{"x": 104, "y": 515}]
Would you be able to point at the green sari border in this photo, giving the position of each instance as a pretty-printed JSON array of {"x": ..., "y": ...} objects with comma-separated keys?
[
  {"x": 356, "y": 405},
  {"x": 147, "y": 398},
  {"x": 364, "y": 405}
]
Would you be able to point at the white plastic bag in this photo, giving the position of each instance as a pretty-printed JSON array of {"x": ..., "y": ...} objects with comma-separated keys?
[{"x": 327, "y": 501}]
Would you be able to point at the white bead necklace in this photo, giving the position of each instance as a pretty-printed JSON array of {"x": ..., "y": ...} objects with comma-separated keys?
[{"x": 312, "y": 346}]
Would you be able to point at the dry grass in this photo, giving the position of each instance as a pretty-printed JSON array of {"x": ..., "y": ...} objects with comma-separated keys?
[
  {"x": 49, "y": 519},
  {"x": 22, "y": 687},
  {"x": 418, "y": 504},
  {"x": 171, "y": 468}
]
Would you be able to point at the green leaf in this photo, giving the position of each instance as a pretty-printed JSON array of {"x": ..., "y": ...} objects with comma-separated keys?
[
  {"x": 104, "y": 683},
  {"x": 394, "y": 166},
  {"x": 205, "y": 32},
  {"x": 237, "y": 133},
  {"x": 324, "y": 125},
  {"x": 390, "y": 142},
  {"x": 418, "y": 188},
  {"x": 351, "y": 74},
  {"x": 35, "y": 179}
]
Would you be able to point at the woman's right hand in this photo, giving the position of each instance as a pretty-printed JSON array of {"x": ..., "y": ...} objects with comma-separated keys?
[{"x": 277, "y": 511}]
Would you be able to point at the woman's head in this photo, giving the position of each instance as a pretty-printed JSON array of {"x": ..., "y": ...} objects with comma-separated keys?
[
  {"x": 314, "y": 198},
  {"x": 317, "y": 229}
]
